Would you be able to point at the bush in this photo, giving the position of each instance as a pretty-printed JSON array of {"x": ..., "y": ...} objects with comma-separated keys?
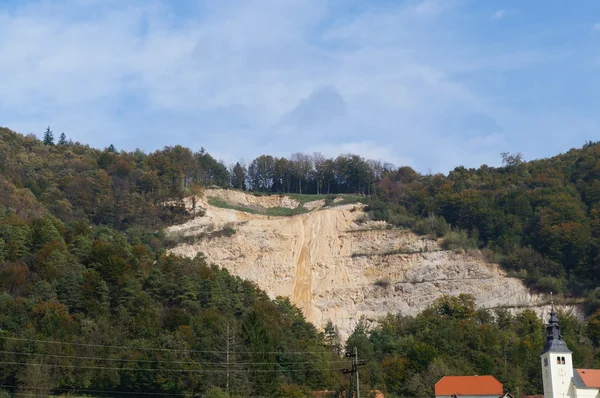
[
  {"x": 458, "y": 240},
  {"x": 432, "y": 225},
  {"x": 547, "y": 284},
  {"x": 228, "y": 230},
  {"x": 592, "y": 301},
  {"x": 384, "y": 282}
]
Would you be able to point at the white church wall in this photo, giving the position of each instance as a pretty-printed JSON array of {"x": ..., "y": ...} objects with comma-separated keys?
[{"x": 587, "y": 393}]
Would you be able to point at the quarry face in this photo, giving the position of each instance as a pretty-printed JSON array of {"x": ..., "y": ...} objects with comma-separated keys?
[{"x": 336, "y": 265}]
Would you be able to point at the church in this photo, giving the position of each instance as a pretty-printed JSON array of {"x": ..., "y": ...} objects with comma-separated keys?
[{"x": 560, "y": 379}]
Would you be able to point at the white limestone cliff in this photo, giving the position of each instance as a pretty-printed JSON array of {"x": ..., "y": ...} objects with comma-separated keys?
[{"x": 336, "y": 266}]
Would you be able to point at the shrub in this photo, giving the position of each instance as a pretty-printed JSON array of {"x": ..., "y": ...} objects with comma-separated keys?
[
  {"x": 384, "y": 282},
  {"x": 228, "y": 230},
  {"x": 592, "y": 301},
  {"x": 432, "y": 225},
  {"x": 547, "y": 284},
  {"x": 458, "y": 240}
]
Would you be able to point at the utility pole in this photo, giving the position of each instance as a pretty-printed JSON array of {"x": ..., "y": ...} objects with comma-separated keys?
[
  {"x": 227, "y": 382},
  {"x": 354, "y": 382}
]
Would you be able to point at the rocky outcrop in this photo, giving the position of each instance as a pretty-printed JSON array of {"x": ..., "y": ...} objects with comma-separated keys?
[{"x": 335, "y": 265}]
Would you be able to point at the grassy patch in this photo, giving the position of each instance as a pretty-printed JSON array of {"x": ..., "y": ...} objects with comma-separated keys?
[
  {"x": 305, "y": 198},
  {"x": 403, "y": 250},
  {"x": 284, "y": 211},
  {"x": 224, "y": 205},
  {"x": 273, "y": 211}
]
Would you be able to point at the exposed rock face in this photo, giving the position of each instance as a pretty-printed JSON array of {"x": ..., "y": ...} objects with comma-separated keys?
[{"x": 334, "y": 265}]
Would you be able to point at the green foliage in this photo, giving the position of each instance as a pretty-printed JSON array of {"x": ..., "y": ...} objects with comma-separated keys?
[
  {"x": 408, "y": 355},
  {"x": 457, "y": 241},
  {"x": 154, "y": 322},
  {"x": 272, "y": 211},
  {"x": 224, "y": 205},
  {"x": 48, "y": 137},
  {"x": 540, "y": 218},
  {"x": 73, "y": 181},
  {"x": 592, "y": 301},
  {"x": 432, "y": 225},
  {"x": 216, "y": 392}
]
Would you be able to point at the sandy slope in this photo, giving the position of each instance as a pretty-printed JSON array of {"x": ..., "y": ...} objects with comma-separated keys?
[{"x": 334, "y": 265}]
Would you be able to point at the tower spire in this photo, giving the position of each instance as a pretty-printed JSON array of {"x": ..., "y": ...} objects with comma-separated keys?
[{"x": 554, "y": 339}]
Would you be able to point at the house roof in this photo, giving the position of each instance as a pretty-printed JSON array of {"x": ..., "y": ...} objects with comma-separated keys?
[
  {"x": 589, "y": 378},
  {"x": 468, "y": 385}
]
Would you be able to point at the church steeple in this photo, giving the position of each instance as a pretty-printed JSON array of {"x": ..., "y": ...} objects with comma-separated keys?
[
  {"x": 557, "y": 362},
  {"x": 554, "y": 340}
]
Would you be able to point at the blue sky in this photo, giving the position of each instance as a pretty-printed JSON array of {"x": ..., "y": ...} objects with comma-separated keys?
[{"x": 429, "y": 84}]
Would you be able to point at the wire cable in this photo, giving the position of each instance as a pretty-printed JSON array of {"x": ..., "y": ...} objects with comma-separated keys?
[
  {"x": 161, "y": 349},
  {"x": 169, "y": 370},
  {"x": 161, "y": 360},
  {"x": 77, "y": 390}
]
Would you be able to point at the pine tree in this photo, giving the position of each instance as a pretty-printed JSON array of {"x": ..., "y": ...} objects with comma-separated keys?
[
  {"x": 63, "y": 139},
  {"x": 112, "y": 149},
  {"x": 48, "y": 137}
]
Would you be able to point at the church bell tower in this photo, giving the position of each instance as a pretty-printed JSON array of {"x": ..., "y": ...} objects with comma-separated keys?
[{"x": 557, "y": 364}]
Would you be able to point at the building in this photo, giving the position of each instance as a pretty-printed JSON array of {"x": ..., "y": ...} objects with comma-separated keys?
[
  {"x": 469, "y": 387},
  {"x": 560, "y": 379}
]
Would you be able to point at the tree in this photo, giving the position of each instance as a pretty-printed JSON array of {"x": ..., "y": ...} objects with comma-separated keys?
[
  {"x": 510, "y": 160},
  {"x": 319, "y": 163},
  {"x": 112, "y": 149},
  {"x": 238, "y": 177},
  {"x": 62, "y": 140},
  {"x": 331, "y": 338},
  {"x": 260, "y": 173},
  {"x": 48, "y": 137},
  {"x": 303, "y": 167}
]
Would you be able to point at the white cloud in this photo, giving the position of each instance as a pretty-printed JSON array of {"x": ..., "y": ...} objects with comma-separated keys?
[
  {"x": 247, "y": 78},
  {"x": 500, "y": 14}
]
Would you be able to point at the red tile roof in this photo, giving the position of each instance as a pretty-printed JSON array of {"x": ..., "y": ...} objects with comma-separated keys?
[
  {"x": 590, "y": 377},
  {"x": 468, "y": 385}
]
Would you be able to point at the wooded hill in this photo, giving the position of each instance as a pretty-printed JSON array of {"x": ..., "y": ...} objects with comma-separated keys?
[
  {"x": 90, "y": 301},
  {"x": 539, "y": 219}
]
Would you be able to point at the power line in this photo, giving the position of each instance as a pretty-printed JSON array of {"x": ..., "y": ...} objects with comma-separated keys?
[
  {"x": 162, "y": 349},
  {"x": 159, "y": 360},
  {"x": 167, "y": 370},
  {"x": 90, "y": 391},
  {"x": 95, "y": 391}
]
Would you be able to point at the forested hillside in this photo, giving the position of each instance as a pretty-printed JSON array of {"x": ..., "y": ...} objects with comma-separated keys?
[
  {"x": 90, "y": 300},
  {"x": 91, "y": 309},
  {"x": 540, "y": 219},
  {"x": 91, "y": 303}
]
